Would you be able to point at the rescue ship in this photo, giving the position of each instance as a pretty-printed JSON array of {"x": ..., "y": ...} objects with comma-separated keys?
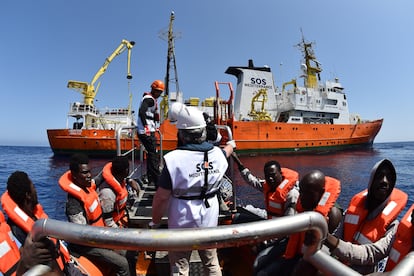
[
  {"x": 261, "y": 117},
  {"x": 92, "y": 130},
  {"x": 264, "y": 118}
]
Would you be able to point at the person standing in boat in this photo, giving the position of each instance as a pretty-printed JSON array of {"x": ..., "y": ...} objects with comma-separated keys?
[
  {"x": 113, "y": 196},
  {"x": 189, "y": 184},
  {"x": 83, "y": 207},
  {"x": 368, "y": 230},
  {"x": 148, "y": 121}
]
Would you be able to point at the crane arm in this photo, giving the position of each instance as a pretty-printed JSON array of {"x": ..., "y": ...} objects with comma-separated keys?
[
  {"x": 121, "y": 48},
  {"x": 88, "y": 89}
]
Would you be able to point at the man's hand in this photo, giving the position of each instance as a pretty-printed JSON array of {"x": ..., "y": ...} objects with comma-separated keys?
[
  {"x": 34, "y": 253},
  {"x": 133, "y": 184},
  {"x": 147, "y": 131},
  {"x": 232, "y": 143},
  {"x": 331, "y": 242}
]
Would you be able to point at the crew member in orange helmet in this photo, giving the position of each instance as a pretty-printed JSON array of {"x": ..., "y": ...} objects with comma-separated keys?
[{"x": 148, "y": 122}]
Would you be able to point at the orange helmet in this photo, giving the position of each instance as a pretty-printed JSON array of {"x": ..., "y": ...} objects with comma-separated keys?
[{"x": 158, "y": 85}]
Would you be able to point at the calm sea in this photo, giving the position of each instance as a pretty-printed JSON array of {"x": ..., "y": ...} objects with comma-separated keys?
[{"x": 351, "y": 167}]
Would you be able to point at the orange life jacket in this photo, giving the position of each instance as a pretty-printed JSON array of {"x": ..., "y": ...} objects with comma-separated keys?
[
  {"x": 327, "y": 201},
  {"x": 121, "y": 192},
  {"x": 359, "y": 230},
  {"x": 276, "y": 200},
  {"x": 90, "y": 200},
  {"x": 23, "y": 221},
  {"x": 403, "y": 240},
  {"x": 9, "y": 251}
]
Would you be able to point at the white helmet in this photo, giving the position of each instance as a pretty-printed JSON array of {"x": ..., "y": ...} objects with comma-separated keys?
[{"x": 186, "y": 117}]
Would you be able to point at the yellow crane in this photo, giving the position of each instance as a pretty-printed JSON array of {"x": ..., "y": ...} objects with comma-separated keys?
[
  {"x": 88, "y": 89},
  {"x": 262, "y": 115}
]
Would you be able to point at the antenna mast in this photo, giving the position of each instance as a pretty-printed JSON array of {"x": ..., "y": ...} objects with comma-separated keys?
[{"x": 171, "y": 73}]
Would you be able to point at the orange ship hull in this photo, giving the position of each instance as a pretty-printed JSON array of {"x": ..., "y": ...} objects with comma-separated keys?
[
  {"x": 251, "y": 138},
  {"x": 90, "y": 141},
  {"x": 270, "y": 137}
]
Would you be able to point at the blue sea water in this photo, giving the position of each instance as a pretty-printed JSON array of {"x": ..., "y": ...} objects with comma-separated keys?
[{"x": 351, "y": 167}]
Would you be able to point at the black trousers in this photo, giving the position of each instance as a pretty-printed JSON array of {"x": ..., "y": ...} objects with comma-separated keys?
[{"x": 153, "y": 160}]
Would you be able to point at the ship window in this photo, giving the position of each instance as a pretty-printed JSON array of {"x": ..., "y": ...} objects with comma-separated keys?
[{"x": 331, "y": 101}]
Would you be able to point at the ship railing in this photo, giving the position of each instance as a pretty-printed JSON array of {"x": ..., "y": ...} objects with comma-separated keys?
[
  {"x": 203, "y": 238},
  {"x": 132, "y": 152},
  {"x": 78, "y": 107}
]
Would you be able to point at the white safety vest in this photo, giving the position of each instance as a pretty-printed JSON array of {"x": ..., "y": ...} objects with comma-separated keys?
[
  {"x": 186, "y": 169},
  {"x": 150, "y": 122}
]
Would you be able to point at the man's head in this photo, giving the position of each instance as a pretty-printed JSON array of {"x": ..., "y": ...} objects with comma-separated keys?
[
  {"x": 22, "y": 191},
  {"x": 311, "y": 189},
  {"x": 157, "y": 87},
  {"x": 120, "y": 167},
  {"x": 382, "y": 182},
  {"x": 273, "y": 173},
  {"x": 190, "y": 123},
  {"x": 79, "y": 167}
]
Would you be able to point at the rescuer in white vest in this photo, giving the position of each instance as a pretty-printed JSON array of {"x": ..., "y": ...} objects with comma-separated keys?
[{"x": 188, "y": 185}]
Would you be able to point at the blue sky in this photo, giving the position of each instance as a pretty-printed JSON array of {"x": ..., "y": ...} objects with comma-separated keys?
[{"x": 367, "y": 44}]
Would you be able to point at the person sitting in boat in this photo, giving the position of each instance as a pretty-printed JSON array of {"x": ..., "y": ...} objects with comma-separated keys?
[
  {"x": 83, "y": 207},
  {"x": 9, "y": 259},
  {"x": 148, "y": 118},
  {"x": 404, "y": 240},
  {"x": 113, "y": 196},
  {"x": 280, "y": 187},
  {"x": 16, "y": 259},
  {"x": 281, "y": 192},
  {"x": 21, "y": 205},
  {"x": 317, "y": 193},
  {"x": 368, "y": 230},
  {"x": 188, "y": 186}
]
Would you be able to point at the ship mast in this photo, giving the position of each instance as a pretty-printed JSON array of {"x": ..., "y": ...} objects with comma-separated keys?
[
  {"x": 311, "y": 66},
  {"x": 171, "y": 76}
]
